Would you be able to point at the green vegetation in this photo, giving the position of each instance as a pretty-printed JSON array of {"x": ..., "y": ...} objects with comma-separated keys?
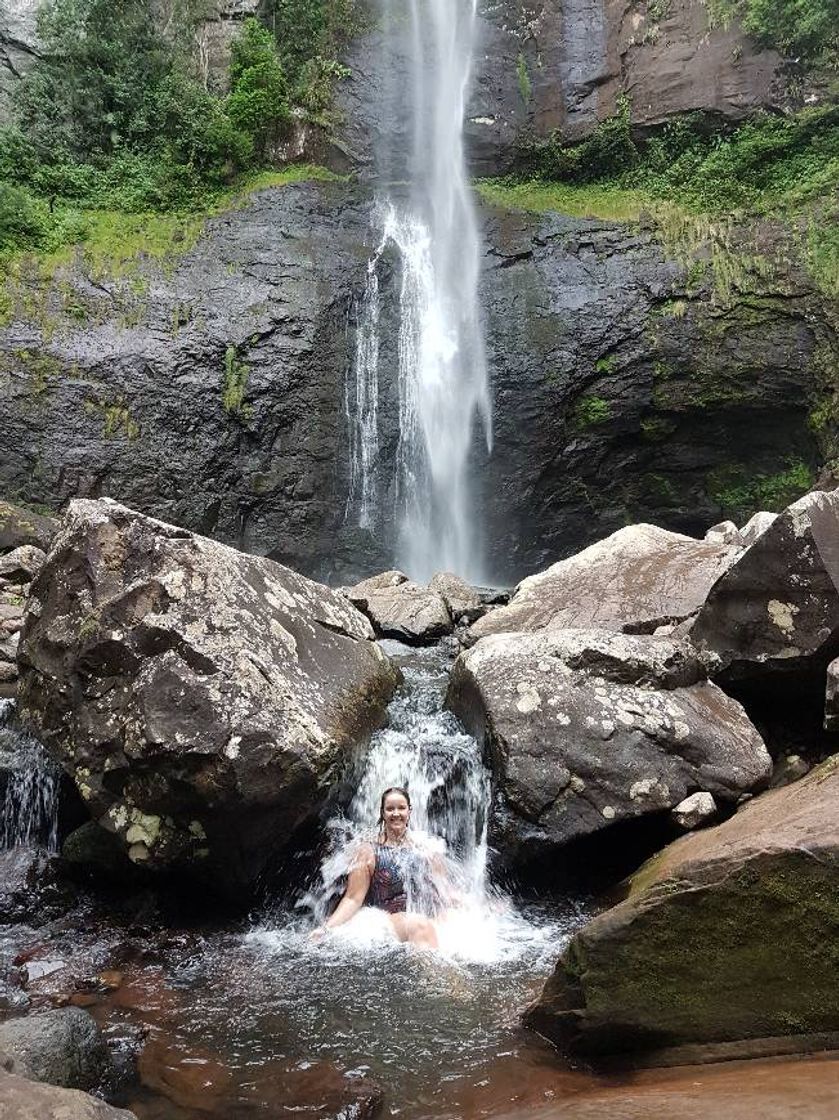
[
  {"x": 234, "y": 385},
  {"x": 605, "y": 201},
  {"x": 590, "y": 411},
  {"x": 116, "y": 115},
  {"x": 768, "y": 162},
  {"x": 525, "y": 88},
  {"x": 805, "y": 28},
  {"x": 739, "y": 491}
]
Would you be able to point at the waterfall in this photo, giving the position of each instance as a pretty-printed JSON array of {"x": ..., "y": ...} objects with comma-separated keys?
[
  {"x": 29, "y": 808},
  {"x": 442, "y": 372}
]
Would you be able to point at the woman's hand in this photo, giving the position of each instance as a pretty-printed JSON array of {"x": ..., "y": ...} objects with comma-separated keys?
[{"x": 318, "y": 934}]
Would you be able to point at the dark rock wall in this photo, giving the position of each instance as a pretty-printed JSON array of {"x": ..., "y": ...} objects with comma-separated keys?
[
  {"x": 625, "y": 379},
  {"x": 543, "y": 65}
]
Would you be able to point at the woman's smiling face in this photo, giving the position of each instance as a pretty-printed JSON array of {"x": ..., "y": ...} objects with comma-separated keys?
[{"x": 396, "y": 813}]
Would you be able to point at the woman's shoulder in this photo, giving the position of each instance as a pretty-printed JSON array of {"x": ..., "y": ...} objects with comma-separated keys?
[{"x": 365, "y": 853}]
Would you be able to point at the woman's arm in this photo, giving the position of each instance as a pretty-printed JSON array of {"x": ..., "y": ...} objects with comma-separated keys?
[{"x": 358, "y": 884}]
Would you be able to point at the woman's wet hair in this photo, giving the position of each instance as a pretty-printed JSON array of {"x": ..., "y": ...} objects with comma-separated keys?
[{"x": 385, "y": 795}]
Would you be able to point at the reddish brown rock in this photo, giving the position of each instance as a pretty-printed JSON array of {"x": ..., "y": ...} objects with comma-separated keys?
[{"x": 729, "y": 934}]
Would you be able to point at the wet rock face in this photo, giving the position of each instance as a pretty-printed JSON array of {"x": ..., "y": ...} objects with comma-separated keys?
[
  {"x": 564, "y": 65},
  {"x": 620, "y": 394},
  {"x": 635, "y": 580},
  {"x": 216, "y": 397},
  {"x": 589, "y": 728},
  {"x": 18, "y": 47},
  {"x": 201, "y": 699},
  {"x": 728, "y": 934}
]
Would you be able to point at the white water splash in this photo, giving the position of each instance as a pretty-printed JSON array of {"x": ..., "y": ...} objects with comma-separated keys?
[
  {"x": 442, "y": 375},
  {"x": 29, "y": 809},
  {"x": 426, "y": 751}
]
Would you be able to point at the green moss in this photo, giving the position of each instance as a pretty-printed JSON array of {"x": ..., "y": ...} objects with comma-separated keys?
[
  {"x": 822, "y": 253},
  {"x": 753, "y": 955},
  {"x": 577, "y": 201},
  {"x": 117, "y": 421},
  {"x": 234, "y": 385},
  {"x": 590, "y": 411},
  {"x": 739, "y": 491},
  {"x": 605, "y": 364},
  {"x": 657, "y": 429},
  {"x": 523, "y": 77}
]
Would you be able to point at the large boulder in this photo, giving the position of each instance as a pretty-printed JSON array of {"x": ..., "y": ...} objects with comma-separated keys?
[
  {"x": 776, "y": 609},
  {"x": 202, "y": 699},
  {"x": 399, "y": 608},
  {"x": 21, "y": 1099},
  {"x": 588, "y": 728},
  {"x": 637, "y": 579},
  {"x": 728, "y": 934},
  {"x": 62, "y": 1047}
]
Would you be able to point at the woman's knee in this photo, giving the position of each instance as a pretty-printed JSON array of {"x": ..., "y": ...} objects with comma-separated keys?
[{"x": 415, "y": 928}]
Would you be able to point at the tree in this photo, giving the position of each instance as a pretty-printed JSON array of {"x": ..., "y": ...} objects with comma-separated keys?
[{"x": 258, "y": 99}]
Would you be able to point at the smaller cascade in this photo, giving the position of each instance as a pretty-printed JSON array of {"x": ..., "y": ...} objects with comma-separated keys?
[
  {"x": 425, "y": 750},
  {"x": 29, "y": 808}
]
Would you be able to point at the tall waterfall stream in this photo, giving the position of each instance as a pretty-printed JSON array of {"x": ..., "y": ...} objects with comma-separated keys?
[{"x": 442, "y": 372}]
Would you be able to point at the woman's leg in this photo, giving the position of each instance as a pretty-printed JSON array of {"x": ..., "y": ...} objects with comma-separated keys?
[{"x": 416, "y": 929}]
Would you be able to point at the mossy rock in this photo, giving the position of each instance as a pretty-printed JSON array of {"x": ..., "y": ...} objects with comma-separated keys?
[{"x": 729, "y": 934}]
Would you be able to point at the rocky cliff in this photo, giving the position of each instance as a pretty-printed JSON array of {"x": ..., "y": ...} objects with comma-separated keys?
[
  {"x": 672, "y": 370},
  {"x": 635, "y": 376},
  {"x": 546, "y": 65}
]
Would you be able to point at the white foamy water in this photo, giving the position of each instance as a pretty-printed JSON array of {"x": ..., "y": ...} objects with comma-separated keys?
[
  {"x": 442, "y": 372},
  {"x": 29, "y": 808},
  {"x": 425, "y": 750}
]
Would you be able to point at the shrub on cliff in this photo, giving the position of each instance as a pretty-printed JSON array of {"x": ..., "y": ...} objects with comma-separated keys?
[
  {"x": 258, "y": 102},
  {"x": 807, "y": 28}
]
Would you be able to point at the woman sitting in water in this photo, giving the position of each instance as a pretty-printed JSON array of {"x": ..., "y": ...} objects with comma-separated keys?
[{"x": 385, "y": 874}]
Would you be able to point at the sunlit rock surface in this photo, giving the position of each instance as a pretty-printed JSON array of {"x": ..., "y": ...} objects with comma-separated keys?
[
  {"x": 201, "y": 699},
  {"x": 730, "y": 933},
  {"x": 635, "y": 580},
  {"x": 588, "y": 728},
  {"x": 777, "y": 607},
  {"x": 402, "y": 609},
  {"x": 22, "y": 1099}
]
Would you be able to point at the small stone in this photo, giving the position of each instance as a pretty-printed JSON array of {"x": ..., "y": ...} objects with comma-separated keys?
[
  {"x": 694, "y": 811},
  {"x": 726, "y": 532},
  {"x": 790, "y": 769}
]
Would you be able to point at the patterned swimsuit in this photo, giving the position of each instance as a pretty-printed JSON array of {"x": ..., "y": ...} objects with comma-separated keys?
[{"x": 398, "y": 872}]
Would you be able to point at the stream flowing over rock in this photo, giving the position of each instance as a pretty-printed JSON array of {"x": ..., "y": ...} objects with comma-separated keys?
[
  {"x": 728, "y": 934},
  {"x": 637, "y": 579},
  {"x": 201, "y": 699},
  {"x": 587, "y": 728}
]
